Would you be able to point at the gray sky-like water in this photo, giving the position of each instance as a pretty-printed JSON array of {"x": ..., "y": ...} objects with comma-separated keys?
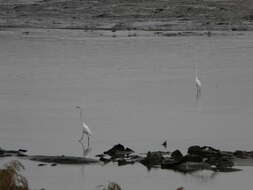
[{"x": 136, "y": 91}]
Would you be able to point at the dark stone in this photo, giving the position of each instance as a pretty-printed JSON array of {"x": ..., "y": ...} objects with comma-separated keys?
[
  {"x": 177, "y": 155},
  {"x": 41, "y": 164},
  {"x": 210, "y": 149},
  {"x": 220, "y": 162},
  {"x": 118, "y": 151},
  {"x": 170, "y": 163},
  {"x": 123, "y": 162},
  {"x": 194, "y": 150},
  {"x": 205, "y": 151},
  {"x": 153, "y": 158},
  {"x": 22, "y": 150},
  {"x": 192, "y": 158},
  {"x": 239, "y": 154},
  {"x": 243, "y": 154},
  {"x": 114, "y": 149},
  {"x": 105, "y": 160}
]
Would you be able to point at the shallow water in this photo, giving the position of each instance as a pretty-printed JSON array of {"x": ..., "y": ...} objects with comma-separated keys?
[{"x": 137, "y": 91}]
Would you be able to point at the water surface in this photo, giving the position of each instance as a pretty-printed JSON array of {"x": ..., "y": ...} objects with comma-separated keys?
[{"x": 137, "y": 91}]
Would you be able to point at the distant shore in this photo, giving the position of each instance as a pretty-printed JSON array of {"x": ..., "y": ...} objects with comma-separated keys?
[
  {"x": 80, "y": 34},
  {"x": 112, "y": 15}
]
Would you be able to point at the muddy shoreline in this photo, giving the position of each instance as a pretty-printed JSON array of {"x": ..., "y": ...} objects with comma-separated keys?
[{"x": 147, "y": 15}]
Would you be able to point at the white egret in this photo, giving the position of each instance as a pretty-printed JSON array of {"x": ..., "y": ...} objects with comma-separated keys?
[
  {"x": 85, "y": 127},
  {"x": 197, "y": 83}
]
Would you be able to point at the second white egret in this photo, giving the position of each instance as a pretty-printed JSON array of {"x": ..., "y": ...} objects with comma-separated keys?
[{"x": 198, "y": 84}]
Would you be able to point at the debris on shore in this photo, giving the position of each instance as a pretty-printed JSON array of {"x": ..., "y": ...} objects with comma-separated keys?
[{"x": 196, "y": 158}]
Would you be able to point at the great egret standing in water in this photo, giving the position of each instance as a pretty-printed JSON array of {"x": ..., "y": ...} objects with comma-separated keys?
[
  {"x": 197, "y": 83},
  {"x": 85, "y": 128}
]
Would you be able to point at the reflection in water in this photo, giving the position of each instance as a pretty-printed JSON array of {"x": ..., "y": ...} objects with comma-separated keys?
[
  {"x": 57, "y": 74},
  {"x": 203, "y": 176},
  {"x": 85, "y": 150}
]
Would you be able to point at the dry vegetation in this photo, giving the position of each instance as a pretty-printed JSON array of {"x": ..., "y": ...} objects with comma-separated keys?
[{"x": 10, "y": 177}]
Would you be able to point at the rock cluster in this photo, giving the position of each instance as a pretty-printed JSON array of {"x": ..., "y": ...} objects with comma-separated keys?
[{"x": 197, "y": 158}]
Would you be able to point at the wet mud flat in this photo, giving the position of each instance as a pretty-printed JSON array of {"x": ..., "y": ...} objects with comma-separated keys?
[{"x": 129, "y": 15}]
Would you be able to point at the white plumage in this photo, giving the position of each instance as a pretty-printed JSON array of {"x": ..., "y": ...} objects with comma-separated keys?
[
  {"x": 198, "y": 84},
  {"x": 85, "y": 129}
]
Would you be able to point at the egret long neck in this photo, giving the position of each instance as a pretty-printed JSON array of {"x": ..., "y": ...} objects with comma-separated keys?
[
  {"x": 196, "y": 71},
  {"x": 81, "y": 115}
]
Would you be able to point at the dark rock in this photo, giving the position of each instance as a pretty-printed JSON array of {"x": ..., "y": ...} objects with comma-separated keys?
[
  {"x": 118, "y": 151},
  {"x": 114, "y": 149},
  {"x": 22, "y": 150},
  {"x": 105, "y": 160},
  {"x": 239, "y": 154},
  {"x": 153, "y": 158},
  {"x": 177, "y": 155},
  {"x": 123, "y": 162},
  {"x": 243, "y": 154},
  {"x": 41, "y": 164},
  {"x": 210, "y": 149},
  {"x": 170, "y": 163},
  {"x": 204, "y": 151},
  {"x": 192, "y": 158},
  {"x": 1, "y": 151},
  {"x": 136, "y": 158},
  {"x": 220, "y": 162},
  {"x": 194, "y": 150}
]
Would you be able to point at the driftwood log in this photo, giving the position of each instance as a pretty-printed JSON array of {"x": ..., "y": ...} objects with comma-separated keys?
[{"x": 63, "y": 159}]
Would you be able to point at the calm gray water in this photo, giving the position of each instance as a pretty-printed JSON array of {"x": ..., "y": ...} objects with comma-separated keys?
[{"x": 136, "y": 91}]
